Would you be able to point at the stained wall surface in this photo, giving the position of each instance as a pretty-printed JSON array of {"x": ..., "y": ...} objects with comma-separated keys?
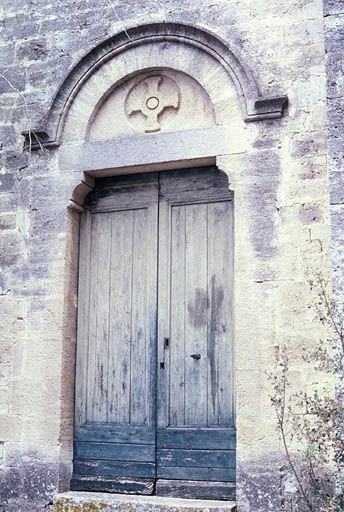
[
  {"x": 277, "y": 170},
  {"x": 333, "y": 30}
]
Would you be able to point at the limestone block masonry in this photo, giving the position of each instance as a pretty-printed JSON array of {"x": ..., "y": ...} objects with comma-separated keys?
[
  {"x": 110, "y": 87},
  {"x": 91, "y": 501},
  {"x": 333, "y": 29}
]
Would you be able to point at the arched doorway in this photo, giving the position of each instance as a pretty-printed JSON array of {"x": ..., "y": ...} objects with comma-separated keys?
[
  {"x": 93, "y": 143},
  {"x": 155, "y": 373}
]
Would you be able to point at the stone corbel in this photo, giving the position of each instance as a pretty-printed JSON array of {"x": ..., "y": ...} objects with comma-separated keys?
[
  {"x": 37, "y": 139},
  {"x": 80, "y": 192},
  {"x": 268, "y": 108}
]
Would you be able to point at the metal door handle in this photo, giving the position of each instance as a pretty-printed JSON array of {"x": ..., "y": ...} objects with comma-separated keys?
[{"x": 196, "y": 356}]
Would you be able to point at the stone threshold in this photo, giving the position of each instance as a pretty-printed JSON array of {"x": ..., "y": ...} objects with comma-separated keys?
[{"x": 75, "y": 501}]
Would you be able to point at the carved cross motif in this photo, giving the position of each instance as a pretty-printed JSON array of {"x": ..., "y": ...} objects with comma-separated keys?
[{"x": 153, "y": 101}]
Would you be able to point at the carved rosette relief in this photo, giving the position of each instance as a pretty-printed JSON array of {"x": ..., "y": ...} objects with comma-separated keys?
[
  {"x": 152, "y": 98},
  {"x": 152, "y": 102}
]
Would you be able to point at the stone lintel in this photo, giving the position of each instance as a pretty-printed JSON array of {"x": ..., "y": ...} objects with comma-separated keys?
[
  {"x": 263, "y": 109},
  {"x": 85, "y": 501},
  {"x": 146, "y": 150}
]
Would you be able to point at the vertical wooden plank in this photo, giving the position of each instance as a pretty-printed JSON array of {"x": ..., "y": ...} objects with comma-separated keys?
[
  {"x": 177, "y": 375},
  {"x": 99, "y": 318},
  {"x": 83, "y": 319},
  {"x": 139, "y": 328},
  {"x": 196, "y": 325},
  {"x": 151, "y": 311},
  {"x": 226, "y": 345},
  {"x": 231, "y": 320},
  {"x": 120, "y": 316},
  {"x": 163, "y": 351},
  {"x": 220, "y": 349}
]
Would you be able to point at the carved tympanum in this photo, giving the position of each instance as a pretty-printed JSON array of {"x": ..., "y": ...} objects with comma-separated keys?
[{"x": 151, "y": 97}]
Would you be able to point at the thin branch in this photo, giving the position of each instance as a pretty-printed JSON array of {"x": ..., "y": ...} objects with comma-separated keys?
[
  {"x": 22, "y": 97},
  {"x": 121, "y": 21},
  {"x": 329, "y": 310},
  {"x": 285, "y": 444},
  {"x": 25, "y": 105}
]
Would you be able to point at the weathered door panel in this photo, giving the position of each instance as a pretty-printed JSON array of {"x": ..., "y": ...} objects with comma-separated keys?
[
  {"x": 171, "y": 230},
  {"x": 116, "y": 363},
  {"x": 196, "y": 435}
]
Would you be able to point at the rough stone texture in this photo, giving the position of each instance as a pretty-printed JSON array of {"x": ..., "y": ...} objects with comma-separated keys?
[
  {"x": 337, "y": 219},
  {"x": 28, "y": 483},
  {"x": 91, "y": 501},
  {"x": 264, "y": 484},
  {"x": 278, "y": 173},
  {"x": 333, "y": 29}
]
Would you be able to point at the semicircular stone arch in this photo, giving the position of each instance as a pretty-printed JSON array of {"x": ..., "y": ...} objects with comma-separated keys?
[
  {"x": 182, "y": 60},
  {"x": 204, "y": 46}
]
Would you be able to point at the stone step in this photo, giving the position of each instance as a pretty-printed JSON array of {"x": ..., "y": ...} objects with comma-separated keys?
[{"x": 94, "y": 501}]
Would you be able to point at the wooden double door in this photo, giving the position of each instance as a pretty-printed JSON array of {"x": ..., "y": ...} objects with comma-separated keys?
[{"x": 154, "y": 374}]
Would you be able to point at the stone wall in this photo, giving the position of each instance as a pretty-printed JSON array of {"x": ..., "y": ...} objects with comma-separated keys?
[
  {"x": 279, "y": 177},
  {"x": 333, "y": 28}
]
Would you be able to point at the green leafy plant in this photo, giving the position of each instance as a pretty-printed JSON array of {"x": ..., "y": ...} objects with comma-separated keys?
[{"x": 311, "y": 424}]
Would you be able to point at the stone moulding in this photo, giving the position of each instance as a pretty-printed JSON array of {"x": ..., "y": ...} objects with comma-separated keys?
[
  {"x": 80, "y": 192},
  {"x": 255, "y": 107},
  {"x": 268, "y": 108}
]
